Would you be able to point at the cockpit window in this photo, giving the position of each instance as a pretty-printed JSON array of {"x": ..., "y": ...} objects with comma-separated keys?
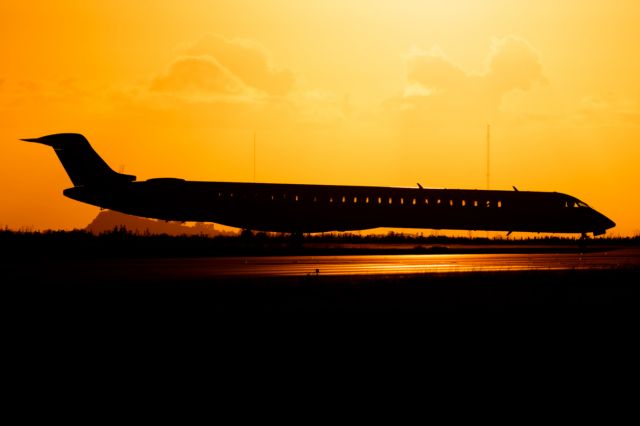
[{"x": 575, "y": 204}]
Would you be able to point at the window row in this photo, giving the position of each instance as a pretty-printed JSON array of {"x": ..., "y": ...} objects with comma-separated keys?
[{"x": 379, "y": 200}]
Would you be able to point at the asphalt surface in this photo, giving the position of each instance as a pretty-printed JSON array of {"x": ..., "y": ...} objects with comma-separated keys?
[
  {"x": 193, "y": 268},
  {"x": 566, "y": 279}
]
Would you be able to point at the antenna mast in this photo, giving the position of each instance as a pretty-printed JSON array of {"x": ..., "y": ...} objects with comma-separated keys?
[{"x": 488, "y": 152}]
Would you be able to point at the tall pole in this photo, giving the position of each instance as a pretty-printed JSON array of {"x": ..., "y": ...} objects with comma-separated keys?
[{"x": 488, "y": 152}]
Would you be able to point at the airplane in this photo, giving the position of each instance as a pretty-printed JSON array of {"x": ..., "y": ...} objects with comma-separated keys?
[{"x": 299, "y": 209}]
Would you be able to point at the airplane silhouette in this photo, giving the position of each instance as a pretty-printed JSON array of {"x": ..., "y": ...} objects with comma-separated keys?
[{"x": 297, "y": 209}]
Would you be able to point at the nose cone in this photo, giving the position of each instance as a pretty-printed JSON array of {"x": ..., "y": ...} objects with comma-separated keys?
[
  {"x": 608, "y": 223},
  {"x": 602, "y": 223}
]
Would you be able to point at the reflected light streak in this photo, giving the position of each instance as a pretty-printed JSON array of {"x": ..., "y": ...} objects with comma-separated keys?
[{"x": 412, "y": 264}]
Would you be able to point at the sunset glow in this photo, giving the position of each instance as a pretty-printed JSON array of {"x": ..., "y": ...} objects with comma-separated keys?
[{"x": 363, "y": 92}]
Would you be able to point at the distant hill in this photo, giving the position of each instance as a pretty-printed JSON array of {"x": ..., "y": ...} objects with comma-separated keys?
[{"x": 107, "y": 220}]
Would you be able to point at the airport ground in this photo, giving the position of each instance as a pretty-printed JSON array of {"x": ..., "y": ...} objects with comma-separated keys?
[{"x": 240, "y": 275}]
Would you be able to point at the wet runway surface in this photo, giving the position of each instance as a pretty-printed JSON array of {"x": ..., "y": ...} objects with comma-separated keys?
[
  {"x": 508, "y": 279},
  {"x": 153, "y": 269},
  {"x": 405, "y": 264}
]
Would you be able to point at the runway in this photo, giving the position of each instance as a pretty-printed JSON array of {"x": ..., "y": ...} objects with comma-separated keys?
[
  {"x": 328, "y": 282},
  {"x": 410, "y": 264},
  {"x": 211, "y": 268}
]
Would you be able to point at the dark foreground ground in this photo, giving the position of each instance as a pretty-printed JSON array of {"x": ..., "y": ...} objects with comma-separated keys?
[
  {"x": 510, "y": 290},
  {"x": 30, "y": 285}
]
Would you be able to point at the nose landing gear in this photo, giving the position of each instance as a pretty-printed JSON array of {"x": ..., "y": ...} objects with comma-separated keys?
[{"x": 583, "y": 241}]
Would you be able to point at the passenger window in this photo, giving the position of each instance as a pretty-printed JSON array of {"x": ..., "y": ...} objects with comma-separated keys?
[
  {"x": 366, "y": 200},
  {"x": 464, "y": 203},
  {"x": 475, "y": 203},
  {"x": 379, "y": 200},
  {"x": 331, "y": 199},
  {"x": 390, "y": 200},
  {"x": 426, "y": 201},
  {"x": 413, "y": 201},
  {"x": 438, "y": 201},
  {"x": 401, "y": 200},
  {"x": 499, "y": 204},
  {"x": 355, "y": 200},
  {"x": 315, "y": 198},
  {"x": 488, "y": 203},
  {"x": 451, "y": 203},
  {"x": 344, "y": 199},
  {"x": 296, "y": 198}
]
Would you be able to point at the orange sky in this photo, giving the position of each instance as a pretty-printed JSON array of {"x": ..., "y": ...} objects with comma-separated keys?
[{"x": 367, "y": 92}]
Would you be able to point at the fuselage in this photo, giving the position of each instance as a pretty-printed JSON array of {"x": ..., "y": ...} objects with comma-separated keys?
[
  {"x": 316, "y": 208},
  {"x": 320, "y": 208}
]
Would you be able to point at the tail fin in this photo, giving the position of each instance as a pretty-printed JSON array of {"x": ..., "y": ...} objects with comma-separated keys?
[{"x": 83, "y": 165}]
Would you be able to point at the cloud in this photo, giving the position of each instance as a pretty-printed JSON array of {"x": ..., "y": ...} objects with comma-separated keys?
[
  {"x": 609, "y": 109},
  {"x": 198, "y": 76},
  {"x": 437, "y": 86},
  {"x": 237, "y": 82},
  {"x": 248, "y": 61},
  {"x": 215, "y": 69},
  {"x": 433, "y": 71},
  {"x": 513, "y": 64},
  {"x": 17, "y": 94}
]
